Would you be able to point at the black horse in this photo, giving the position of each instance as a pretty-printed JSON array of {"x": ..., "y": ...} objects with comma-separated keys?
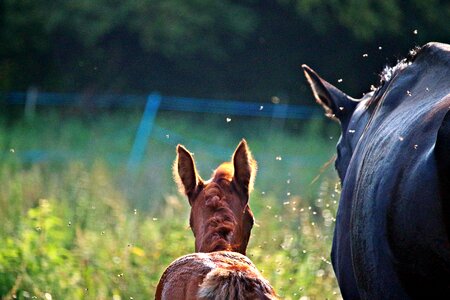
[{"x": 391, "y": 239}]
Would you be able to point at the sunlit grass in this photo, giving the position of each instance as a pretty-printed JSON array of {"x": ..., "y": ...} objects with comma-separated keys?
[{"x": 80, "y": 226}]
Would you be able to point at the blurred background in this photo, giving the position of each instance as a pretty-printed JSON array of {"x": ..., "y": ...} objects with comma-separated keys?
[{"x": 95, "y": 95}]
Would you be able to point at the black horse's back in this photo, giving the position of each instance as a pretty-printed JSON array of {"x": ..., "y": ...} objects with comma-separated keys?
[
  {"x": 392, "y": 234},
  {"x": 442, "y": 152},
  {"x": 443, "y": 164}
]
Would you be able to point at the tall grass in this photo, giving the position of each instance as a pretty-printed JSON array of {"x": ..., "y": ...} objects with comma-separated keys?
[{"x": 76, "y": 224}]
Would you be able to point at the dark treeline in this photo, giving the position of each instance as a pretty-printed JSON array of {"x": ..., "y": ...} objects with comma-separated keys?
[{"x": 250, "y": 50}]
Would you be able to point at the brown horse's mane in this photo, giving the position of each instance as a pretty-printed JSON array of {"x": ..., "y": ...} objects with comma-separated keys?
[
  {"x": 224, "y": 171},
  {"x": 223, "y": 222}
]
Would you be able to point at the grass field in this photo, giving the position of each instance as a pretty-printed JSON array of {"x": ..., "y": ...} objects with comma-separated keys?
[{"x": 76, "y": 224}]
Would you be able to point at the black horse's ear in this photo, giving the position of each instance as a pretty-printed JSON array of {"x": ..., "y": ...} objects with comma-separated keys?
[
  {"x": 185, "y": 172},
  {"x": 244, "y": 168},
  {"x": 336, "y": 103}
]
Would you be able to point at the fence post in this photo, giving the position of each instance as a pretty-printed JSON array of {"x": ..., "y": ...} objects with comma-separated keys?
[
  {"x": 30, "y": 102},
  {"x": 144, "y": 130}
]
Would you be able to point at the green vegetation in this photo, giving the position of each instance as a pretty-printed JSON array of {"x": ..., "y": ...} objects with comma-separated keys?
[{"x": 77, "y": 225}]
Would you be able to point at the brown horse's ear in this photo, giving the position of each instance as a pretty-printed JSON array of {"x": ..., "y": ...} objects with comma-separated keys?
[
  {"x": 337, "y": 104},
  {"x": 184, "y": 172},
  {"x": 244, "y": 168}
]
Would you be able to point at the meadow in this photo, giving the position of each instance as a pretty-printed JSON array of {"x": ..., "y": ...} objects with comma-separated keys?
[{"x": 78, "y": 224}]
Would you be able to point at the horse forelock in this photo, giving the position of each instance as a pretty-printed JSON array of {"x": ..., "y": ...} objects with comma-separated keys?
[{"x": 224, "y": 171}]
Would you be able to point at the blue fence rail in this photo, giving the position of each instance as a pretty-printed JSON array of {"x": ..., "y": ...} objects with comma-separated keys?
[{"x": 228, "y": 107}]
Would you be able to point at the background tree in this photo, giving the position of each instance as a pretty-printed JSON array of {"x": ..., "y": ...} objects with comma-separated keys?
[{"x": 225, "y": 49}]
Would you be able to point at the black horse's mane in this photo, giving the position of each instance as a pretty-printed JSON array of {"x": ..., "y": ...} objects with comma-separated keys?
[{"x": 389, "y": 72}]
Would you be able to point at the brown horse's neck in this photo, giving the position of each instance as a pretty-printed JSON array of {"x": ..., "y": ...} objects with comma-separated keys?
[{"x": 221, "y": 225}]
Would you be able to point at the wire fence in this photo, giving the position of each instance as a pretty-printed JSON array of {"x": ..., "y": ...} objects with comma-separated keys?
[
  {"x": 151, "y": 104},
  {"x": 105, "y": 101}
]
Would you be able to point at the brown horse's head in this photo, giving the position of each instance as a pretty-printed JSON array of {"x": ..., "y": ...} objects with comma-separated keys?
[{"x": 220, "y": 216}]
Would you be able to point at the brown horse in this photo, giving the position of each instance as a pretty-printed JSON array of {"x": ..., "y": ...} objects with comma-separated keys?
[{"x": 221, "y": 221}]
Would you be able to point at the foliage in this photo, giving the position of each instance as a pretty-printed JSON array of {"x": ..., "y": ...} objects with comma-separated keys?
[
  {"x": 238, "y": 49},
  {"x": 83, "y": 35},
  {"x": 71, "y": 228},
  {"x": 366, "y": 19}
]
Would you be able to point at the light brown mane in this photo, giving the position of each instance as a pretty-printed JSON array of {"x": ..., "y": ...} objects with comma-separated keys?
[
  {"x": 222, "y": 223},
  {"x": 224, "y": 171}
]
